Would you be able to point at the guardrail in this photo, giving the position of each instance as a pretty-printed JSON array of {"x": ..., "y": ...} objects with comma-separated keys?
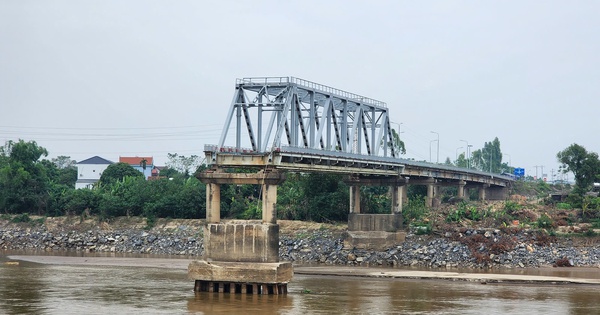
[{"x": 311, "y": 86}]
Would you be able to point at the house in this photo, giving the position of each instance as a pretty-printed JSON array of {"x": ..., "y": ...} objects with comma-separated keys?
[
  {"x": 137, "y": 162},
  {"x": 90, "y": 170}
]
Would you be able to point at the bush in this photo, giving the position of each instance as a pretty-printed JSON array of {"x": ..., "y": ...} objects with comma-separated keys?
[
  {"x": 21, "y": 218},
  {"x": 465, "y": 210},
  {"x": 563, "y": 206},
  {"x": 545, "y": 222},
  {"x": 511, "y": 207},
  {"x": 422, "y": 228},
  {"x": 415, "y": 210}
]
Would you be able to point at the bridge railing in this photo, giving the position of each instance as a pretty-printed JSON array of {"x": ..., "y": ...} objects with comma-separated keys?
[{"x": 311, "y": 86}]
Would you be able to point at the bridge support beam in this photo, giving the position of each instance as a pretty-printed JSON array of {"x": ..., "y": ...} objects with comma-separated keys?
[{"x": 238, "y": 254}]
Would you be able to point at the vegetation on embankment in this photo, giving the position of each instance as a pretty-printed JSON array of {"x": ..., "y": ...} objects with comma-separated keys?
[{"x": 31, "y": 185}]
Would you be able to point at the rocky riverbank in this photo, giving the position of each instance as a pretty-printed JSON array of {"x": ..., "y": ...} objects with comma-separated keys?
[{"x": 311, "y": 243}]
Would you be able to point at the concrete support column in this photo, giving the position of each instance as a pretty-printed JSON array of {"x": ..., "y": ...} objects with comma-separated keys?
[
  {"x": 354, "y": 199},
  {"x": 269, "y": 199},
  {"x": 213, "y": 203},
  {"x": 430, "y": 195},
  {"x": 482, "y": 190},
  {"x": 461, "y": 189},
  {"x": 398, "y": 193}
]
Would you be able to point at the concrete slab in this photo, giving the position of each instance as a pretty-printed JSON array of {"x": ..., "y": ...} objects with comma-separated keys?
[
  {"x": 436, "y": 275},
  {"x": 249, "y": 272}
]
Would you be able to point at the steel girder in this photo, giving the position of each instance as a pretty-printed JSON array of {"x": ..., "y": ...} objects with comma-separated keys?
[{"x": 271, "y": 112}]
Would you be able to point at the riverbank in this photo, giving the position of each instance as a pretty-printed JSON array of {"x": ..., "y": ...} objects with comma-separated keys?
[
  {"x": 310, "y": 243},
  {"x": 383, "y": 273}
]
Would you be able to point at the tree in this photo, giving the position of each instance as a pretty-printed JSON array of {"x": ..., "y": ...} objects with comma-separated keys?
[
  {"x": 23, "y": 178},
  {"x": 183, "y": 164},
  {"x": 118, "y": 171},
  {"x": 489, "y": 158},
  {"x": 461, "y": 161},
  {"x": 583, "y": 164},
  {"x": 396, "y": 143},
  {"x": 63, "y": 162}
]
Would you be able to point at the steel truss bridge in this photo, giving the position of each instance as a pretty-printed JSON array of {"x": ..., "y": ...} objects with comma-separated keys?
[{"x": 297, "y": 125}]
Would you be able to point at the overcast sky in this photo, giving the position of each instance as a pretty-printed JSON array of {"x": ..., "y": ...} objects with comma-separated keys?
[{"x": 127, "y": 78}]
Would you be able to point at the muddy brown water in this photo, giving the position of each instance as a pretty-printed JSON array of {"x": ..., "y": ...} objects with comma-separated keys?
[{"x": 33, "y": 288}]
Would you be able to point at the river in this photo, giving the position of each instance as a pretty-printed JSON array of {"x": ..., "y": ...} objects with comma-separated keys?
[{"x": 32, "y": 288}]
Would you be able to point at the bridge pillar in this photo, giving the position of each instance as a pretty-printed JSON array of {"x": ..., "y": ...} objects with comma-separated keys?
[
  {"x": 242, "y": 254},
  {"x": 482, "y": 190},
  {"x": 213, "y": 203},
  {"x": 269, "y": 200},
  {"x": 354, "y": 199},
  {"x": 431, "y": 190},
  {"x": 461, "y": 189},
  {"x": 398, "y": 195}
]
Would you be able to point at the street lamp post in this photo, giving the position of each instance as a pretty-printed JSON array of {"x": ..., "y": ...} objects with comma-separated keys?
[
  {"x": 468, "y": 155},
  {"x": 430, "y": 142},
  {"x": 438, "y": 146},
  {"x": 509, "y": 162}
]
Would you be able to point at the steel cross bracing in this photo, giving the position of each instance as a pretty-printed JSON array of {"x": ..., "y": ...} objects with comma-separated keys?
[
  {"x": 298, "y": 125},
  {"x": 268, "y": 113}
]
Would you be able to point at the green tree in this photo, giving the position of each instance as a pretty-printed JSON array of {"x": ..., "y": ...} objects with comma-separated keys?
[
  {"x": 583, "y": 164},
  {"x": 461, "y": 161},
  {"x": 23, "y": 179},
  {"x": 489, "y": 158},
  {"x": 396, "y": 143},
  {"x": 63, "y": 162},
  {"x": 117, "y": 172}
]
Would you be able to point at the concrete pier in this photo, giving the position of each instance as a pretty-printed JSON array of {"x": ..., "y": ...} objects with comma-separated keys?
[
  {"x": 241, "y": 257},
  {"x": 375, "y": 231}
]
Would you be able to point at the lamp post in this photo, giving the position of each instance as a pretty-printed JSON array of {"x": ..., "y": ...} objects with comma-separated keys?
[
  {"x": 468, "y": 153},
  {"x": 438, "y": 146},
  {"x": 509, "y": 162},
  {"x": 457, "y": 153},
  {"x": 430, "y": 142}
]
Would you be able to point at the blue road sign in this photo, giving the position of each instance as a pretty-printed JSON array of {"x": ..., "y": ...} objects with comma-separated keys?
[{"x": 519, "y": 172}]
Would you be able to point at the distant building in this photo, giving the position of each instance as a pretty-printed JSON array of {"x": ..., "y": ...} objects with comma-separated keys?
[
  {"x": 90, "y": 170},
  {"x": 136, "y": 162}
]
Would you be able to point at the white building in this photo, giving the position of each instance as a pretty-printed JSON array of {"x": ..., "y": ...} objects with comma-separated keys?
[{"x": 90, "y": 170}]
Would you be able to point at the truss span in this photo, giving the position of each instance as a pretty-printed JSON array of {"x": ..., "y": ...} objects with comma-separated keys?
[{"x": 270, "y": 112}]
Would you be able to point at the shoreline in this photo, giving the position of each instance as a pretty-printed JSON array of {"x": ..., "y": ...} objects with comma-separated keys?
[
  {"x": 338, "y": 271},
  {"x": 308, "y": 243}
]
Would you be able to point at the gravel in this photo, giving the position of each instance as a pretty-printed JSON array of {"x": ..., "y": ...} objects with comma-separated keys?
[{"x": 453, "y": 249}]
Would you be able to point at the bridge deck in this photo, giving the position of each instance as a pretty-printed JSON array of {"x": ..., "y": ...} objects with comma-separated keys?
[{"x": 314, "y": 160}]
